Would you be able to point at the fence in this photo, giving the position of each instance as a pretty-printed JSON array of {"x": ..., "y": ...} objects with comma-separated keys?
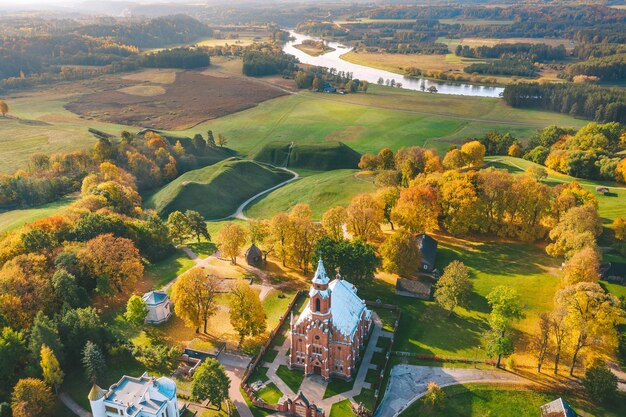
[{"x": 381, "y": 377}]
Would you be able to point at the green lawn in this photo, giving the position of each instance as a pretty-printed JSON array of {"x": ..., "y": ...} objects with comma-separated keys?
[
  {"x": 341, "y": 409},
  {"x": 160, "y": 273},
  {"x": 321, "y": 190},
  {"x": 372, "y": 376},
  {"x": 14, "y": 219},
  {"x": 259, "y": 374},
  {"x": 256, "y": 411},
  {"x": 270, "y": 393},
  {"x": 293, "y": 378},
  {"x": 366, "y": 397},
  {"x": 338, "y": 386},
  {"x": 275, "y": 305},
  {"x": 478, "y": 400}
]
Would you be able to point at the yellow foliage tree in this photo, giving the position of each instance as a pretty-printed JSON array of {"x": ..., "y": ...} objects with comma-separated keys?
[
  {"x": 52, "y": 373},
  {"x": 4, "y": 108},
  {"x": 475, "y": 153},
  {"x": 230, "y": 240},
  {"x": 32, "y": 398},
  {"x": 246, "y": 313},
  {"x": 193, "y": 295},
  {"x": 582, "y": 266}
]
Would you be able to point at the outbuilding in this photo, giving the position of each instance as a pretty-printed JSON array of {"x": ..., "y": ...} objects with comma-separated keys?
[
  {"x": 158, "y": 305},
  {"x": 428, "y": 252},
  {"x": 254, "y": 256}
]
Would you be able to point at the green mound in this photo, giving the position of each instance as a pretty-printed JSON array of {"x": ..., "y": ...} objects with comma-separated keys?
[
  {"x": 217, "y": 190},
  {"x": 318, "y": 156}
]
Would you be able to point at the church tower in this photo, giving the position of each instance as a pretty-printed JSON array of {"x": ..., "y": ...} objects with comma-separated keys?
[{"x": 319, "y": 293}]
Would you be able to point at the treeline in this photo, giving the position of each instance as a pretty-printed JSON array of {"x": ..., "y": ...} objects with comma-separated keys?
[
  {"x": 588, "y": 101},
  {"x": 151, "y": 159},
  {"x": 607, "y": 68},
  {"x": 187, "y": 58},
  {"x": 532, "y": 52},
  {"x": 263, "y": 60},
  {"x": 448, "y": 75},
  {"x": 509, "y": 65}
]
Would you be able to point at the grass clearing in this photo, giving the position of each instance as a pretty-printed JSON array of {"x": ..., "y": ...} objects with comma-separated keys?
[
  {"x": 270, "y": 393},
  {"x": 314, "y": 51},
  {"x": 477, "y": 400},
  {"x": 256, "y": 411},
  {"x": 342, "y": 409},
  {"x": 14, "y": 219},
  {"x": 143, "y": 90},
  {"x": 259, "y": 374},
  {"x": 338, "y": 386},
  {"x": 293, "y": 378},
  {"x": 160, "y": 273}
]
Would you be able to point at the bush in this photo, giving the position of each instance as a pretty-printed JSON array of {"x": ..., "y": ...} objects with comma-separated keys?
[
  {"x": 600, "y": 383},
  {"x": 435, "y": 397},
  {"x": 253, "y": 345}
]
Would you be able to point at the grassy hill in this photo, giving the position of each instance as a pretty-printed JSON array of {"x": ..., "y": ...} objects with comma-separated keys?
[
  {"x": 319, "y": 156},
  {"x": 217, "y": 190}
]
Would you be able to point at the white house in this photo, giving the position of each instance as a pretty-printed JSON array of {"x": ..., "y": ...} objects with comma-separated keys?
[
  {"x": 145, "y": 396},
  {"x": 159, "y": 306}
]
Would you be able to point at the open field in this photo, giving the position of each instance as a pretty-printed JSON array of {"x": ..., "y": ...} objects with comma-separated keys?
[
  {"x": 368, "y": 20},
  {"x": 15, "y": 219},
  {"x": 321, "y": 190},
  {"x": 313, "y": 51},
  {"x": 324, "y": 156},
  {"x": 381, "y": 117},
  {"x": 192, "y": 98},
  {"x": 473, "y": 42},
  {"x": 475, "y": 22},
  {"x": 241, "y": 41},
  {"x": 478, "y": 400}
]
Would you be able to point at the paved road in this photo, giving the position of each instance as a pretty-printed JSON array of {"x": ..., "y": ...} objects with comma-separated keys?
[
  {"x": 235, "y": 365},
  {"x": 73, "y": 405},
  {"x": 408, "y": 383}
]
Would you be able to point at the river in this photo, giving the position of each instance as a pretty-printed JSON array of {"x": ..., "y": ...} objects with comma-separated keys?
[{"x": 332, "y": 60}]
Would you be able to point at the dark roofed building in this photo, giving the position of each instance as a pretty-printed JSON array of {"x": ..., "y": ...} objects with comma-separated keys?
[
  {"x": 557, "y": 408},
  {"x": 254, "y": 256},
  {"x": 420, "y": 288},
  {"x": 428, "y": 252},
  {"x": 613, "y": 272}
]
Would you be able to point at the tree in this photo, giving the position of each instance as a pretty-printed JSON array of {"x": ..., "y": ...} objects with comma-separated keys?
[
  {"x": 12, "y": 358},
  {"x": 221, "y": 140},
  {"x": 600, "y": 383},
  {"x": 388, "y": 198},
  {"x": 454, "y": 287},
  {"x": 369, "y": 162},
  {"x": 52, "y": 373},
  {"x": 364, "y": 217},
  {"x": 577, "y": 229},
  {"x": 386, "y": 159},
  {"x": 44, "y": 332},
  {"x": 77, "y": 327},
  {"x": 197, "y": 225},
  {"x": 230, "y": 240},
  {"x": 210, "y": 383},
  {"x": 280, "y": 231},
  {"x": 259, "y": 231},
  {"x": 355, "y": 260},
  {"x": 193, "y": 295},
  {"x": 210, "y": 140},
  {"x": 591, "y": 313},
  {"x": 93, "y": 362},
  {"x": 537, "y": 172},
  {"x": 32, "y": 398},
  {"x": 435, "y": 397},
  {"x": 454, "y": 159},
  {"x": 515, "y": 150},
  {"x": 304, "y": 235},
  {"x": 505, "y": 308},
  {"x": 541, "y": 339},
  {"x": 66, "y": 289},
  {"x": 417, "y": 209},
  {"x": 333, "y": 221},
  {"x": 582, "y": 266},
  {"x": 4, "y": 108},
  {"x": 199, "y": 143},
  {"x": 619, "y": 228},
  {"x": 474, "y": 152},
  {"x": 620, "y": 171},
  {"x": 178, "y": 226},
  {"x": 400, "y": 254},
  {"x": 246, "y": 314},
  {"x": 136, "y": 310},
  {"x": 459, "y": 201},
  {"x": 560, "y": 330}
]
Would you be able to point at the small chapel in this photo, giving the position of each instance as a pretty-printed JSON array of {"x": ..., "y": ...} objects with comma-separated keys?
[{"x": 329, "y": 335}]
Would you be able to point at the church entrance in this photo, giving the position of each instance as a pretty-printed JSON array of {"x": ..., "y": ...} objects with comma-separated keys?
[{"x": 317, "y": 370}]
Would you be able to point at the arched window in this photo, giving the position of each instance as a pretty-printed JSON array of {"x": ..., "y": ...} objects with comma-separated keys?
[{"x": 317, "y": 305}]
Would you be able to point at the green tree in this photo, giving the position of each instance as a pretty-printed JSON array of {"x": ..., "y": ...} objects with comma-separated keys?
[
  {"x": 356, "y": 260},
  {"x": 32, "y": 398},
  {"x": 400, "y": 254},
  {"x": 178, "y": 226},
  {"x": 52, "y": 373},
  {"x": 197, "y": 225},
  {"x": 210, "y": 140},
  {"x": 505, "y": 308},
  {"x": 78, "y": 326},
  {"x": 45, "y": 331},
  {"x": 435, "y": 397},
  {"x": 12, "y": 358},
  {"x": 246, "y": 313},
  {"x": 66, "y": 289},
  {"x": 93, "y": 362},
  {"x": 136, "y": 310},
  {"x": 454, "y": 287},
  {"x": 600, "y": 383},
  {"x": 199, "y": 143},
  {"x": 210, "y": 383}
]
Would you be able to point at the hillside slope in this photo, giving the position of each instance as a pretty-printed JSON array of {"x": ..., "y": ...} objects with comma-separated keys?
[
  {"x": 318, "y": 156},
  {"x": 217, "y": 190}
]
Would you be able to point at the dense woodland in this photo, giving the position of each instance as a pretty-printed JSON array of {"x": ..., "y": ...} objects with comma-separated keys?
[{"x": 186, "y": 58}]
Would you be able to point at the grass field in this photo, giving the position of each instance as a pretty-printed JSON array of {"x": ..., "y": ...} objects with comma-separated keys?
[
  {"x": 323, "y": 156},
  {"x": 217, "y": 190},
  {"x": 293, "y": 378},
  {"x": 270, "y": 394},
  {"x": 473, "y": 42},
  {"x": 160, "y": 273},
  {"x": 475, "y": 22},
  {"x": 321, "y": 190},
  {"x": 14, "y": 219},
  {"x": 313, "y": 51},
  {"x": 478, "y": 400}
]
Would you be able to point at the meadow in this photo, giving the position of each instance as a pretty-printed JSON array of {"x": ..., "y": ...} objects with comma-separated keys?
[{"x": 14, "y": 219}]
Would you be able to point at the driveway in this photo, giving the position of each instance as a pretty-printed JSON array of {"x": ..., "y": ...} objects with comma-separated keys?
[{"x": 408, "y": 383}]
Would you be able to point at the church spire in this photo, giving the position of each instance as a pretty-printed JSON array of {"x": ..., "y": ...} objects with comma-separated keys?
[{"x": 320, "y": 276}]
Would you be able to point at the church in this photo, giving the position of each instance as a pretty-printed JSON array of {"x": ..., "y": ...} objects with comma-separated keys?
[{"x": 329, "y": 336}]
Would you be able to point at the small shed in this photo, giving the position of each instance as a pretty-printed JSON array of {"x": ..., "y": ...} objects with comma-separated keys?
[
  {"x": 613, "y": 272},
  {"x": 159, "y": 307},
  {"x": 254, "y": 256},
  {"x": 557, "y": 408},
  {"x": 602, "y": 190},
  {"x": 428, "y": 252},
  {"x": 420, "y": 288}
]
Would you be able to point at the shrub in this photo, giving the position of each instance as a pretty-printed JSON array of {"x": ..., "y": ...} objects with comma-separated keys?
[
  {"x": 600, "y": 383},
  {"x": 435, "y": 397}
]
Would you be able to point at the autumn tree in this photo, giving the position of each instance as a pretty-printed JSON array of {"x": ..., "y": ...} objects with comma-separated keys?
[
  {"x": 260, "y": 235},
  {"x": 304, "y": 235},
  {"x": 32, "y": 398},
  {"x": 537, "y": 172},
  {"x": 515, "y": 151},
  {"x": 400, "y": 254},
  {"x": 541, "y": 339},
  {"x": 591, "y": 314},
  {"x": 93, "y": 362},
  {"x": 388, "y": 198},
  {"x": 577, "y": 229},
  {"x": 114, "y": 261},
  {"x": 454, "y": 287},
  {"x": 333, "y": 222},
  {"x": 364, "y": 217},
  {"x": 560, "y": 330},
  {"x": 435, "y": 397},
  {"x": 280, "y": 231},
  {"x": 51, "y": 370},
  {"x": 197, "y": 225},
  {"x": 136, "y": 310},
  {"x": 230, "y": 240},
  {"x": 417, "y": 209},
  {"x": 210, "y": 383},
  {"x": 619, "y": 228},
  {"x": 454, "y": 159},
  {"x": 474, "y": 152},
  {"x": 246, "y": 314},
  {"x": 193, "y": 295},
  {"x": 221, "y": 140},
  {"x": 505, "y": 308},
  {"x": 459, "y": 202},
  {"x": 369, "y": 162},
  {"x": 386, "y": 159},
  {"x": 582, "y": 266},
  {"x": 179, "y": 227},
  {"x": 4, "y": 108}
]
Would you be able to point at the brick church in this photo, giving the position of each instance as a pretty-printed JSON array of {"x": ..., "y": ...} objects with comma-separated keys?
[{"x": 329, "y": 335}]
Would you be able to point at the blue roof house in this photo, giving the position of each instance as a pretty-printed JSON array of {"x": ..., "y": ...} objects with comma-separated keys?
[{"x": 159, "y": 307}]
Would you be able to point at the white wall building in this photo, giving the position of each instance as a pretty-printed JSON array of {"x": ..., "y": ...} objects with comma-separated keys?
[
  {"x": 145, "y": 396},
  {"x": 159, "y": 306}
]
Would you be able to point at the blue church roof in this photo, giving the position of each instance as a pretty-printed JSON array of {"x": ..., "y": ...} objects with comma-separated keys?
[{"x": 153, "y": 298}]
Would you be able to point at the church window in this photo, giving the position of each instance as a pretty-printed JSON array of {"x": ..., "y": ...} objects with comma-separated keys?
[
  {"x": 317, "y": 337},
  {"x": 317, "y": 305}
]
